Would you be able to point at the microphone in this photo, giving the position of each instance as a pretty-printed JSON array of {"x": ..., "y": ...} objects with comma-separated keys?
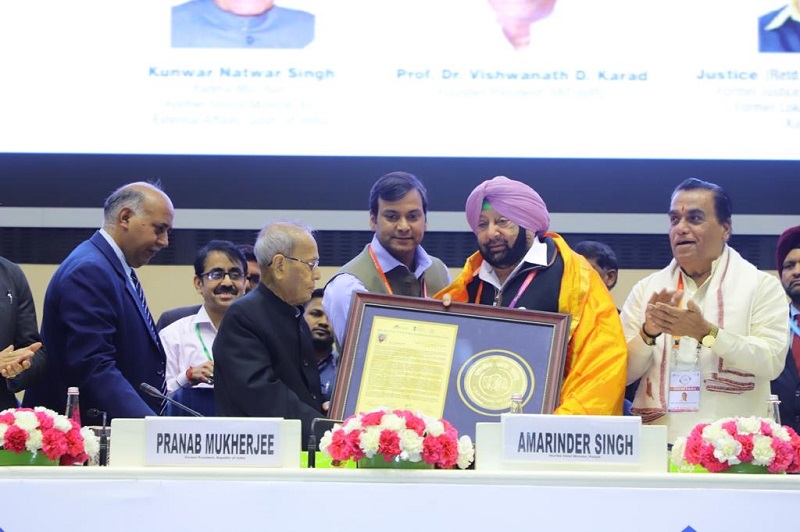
[
  {"x": 153, "y": 392},
  {"x": 103, "y": 457},
  {"x": 312, "y": 439}
]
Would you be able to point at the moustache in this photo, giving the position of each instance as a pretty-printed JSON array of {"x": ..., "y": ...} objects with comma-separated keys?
[{"x": 226, "y": 290}]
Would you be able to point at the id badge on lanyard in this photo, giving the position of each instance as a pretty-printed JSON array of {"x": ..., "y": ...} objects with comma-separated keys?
[
  {"x": 684, "y": 378},
  {"x": 684, "y": 390}
]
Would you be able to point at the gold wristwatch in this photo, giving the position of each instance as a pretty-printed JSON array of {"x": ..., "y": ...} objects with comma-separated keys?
[{"x": 711, "y": 338}]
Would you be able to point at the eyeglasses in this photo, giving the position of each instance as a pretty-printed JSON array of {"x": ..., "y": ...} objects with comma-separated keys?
[
  {"x": 311, "y": 264},
  {"x": 218, "y": 275},
  {"x": 253, "y": 279}
]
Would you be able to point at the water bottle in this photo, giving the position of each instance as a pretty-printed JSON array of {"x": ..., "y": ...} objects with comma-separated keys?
[
  {"x": 516, "y": 404},
  {"x": 73, "y": 410},
  {"x": 773, "y": 408}
]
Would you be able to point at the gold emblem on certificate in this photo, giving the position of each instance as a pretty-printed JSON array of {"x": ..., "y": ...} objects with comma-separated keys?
[{"x": 487, "y": 380}]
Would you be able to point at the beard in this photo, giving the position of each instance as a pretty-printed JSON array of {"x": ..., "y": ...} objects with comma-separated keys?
[
  {"x": 794, "y": 294},
  {"x": 511, "y": 256},
  {"x": 323, "y": 344}
]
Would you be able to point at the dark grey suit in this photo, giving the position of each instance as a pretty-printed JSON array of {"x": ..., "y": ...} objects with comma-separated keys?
[{"x": 18, "y": 327}]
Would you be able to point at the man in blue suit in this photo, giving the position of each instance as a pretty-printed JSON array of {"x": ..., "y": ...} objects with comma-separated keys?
[{"x": 98, "y": 330}]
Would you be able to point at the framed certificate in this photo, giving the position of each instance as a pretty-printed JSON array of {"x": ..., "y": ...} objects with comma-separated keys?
[{"x": 460, "y": 362}]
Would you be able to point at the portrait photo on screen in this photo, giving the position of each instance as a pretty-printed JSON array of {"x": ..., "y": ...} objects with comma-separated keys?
[
  {"x": 240, "y": 24},
  {"x": 779, "y": 29}
]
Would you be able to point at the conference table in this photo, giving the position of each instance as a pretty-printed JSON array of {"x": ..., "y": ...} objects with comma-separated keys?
[{"x": 158, "y": 499}]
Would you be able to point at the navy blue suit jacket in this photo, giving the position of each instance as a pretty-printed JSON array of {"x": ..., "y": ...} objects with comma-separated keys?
[{"x": 97, "y": 338}]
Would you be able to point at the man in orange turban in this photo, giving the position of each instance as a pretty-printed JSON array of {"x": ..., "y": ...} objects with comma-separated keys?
[{"x": 520, "y": 264}]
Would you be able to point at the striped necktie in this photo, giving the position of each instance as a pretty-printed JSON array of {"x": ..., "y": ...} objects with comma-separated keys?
[{"x": 152, "y": 325}]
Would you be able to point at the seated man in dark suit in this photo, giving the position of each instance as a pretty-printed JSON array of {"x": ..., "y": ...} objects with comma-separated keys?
[
  {"x": 264, "y": 360},
  {"x": 219, "y": 277}
]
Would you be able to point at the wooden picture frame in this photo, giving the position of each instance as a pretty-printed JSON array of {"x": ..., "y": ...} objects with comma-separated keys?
[{"x": 460, "y": 362}]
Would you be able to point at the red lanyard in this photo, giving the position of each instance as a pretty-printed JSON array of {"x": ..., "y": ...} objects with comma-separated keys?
[{"x": 383, "y": 275}]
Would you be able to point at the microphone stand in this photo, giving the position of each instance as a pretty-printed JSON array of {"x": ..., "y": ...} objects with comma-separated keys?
[
  {"x": 104, "y": 443},
  {"x": 102, "y": 458},
  {"x": 311, "y": 446},
  {"x": 153, "y": 392}
]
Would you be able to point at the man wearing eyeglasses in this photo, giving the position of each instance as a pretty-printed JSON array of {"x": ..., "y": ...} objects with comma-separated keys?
[
  {"x": 219, "y": 278},
  {"x": 264, "y": 359},
  {"x": 252, "y": 280}
]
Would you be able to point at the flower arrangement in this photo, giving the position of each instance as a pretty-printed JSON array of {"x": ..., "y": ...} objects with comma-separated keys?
[
  {"x": 398, "y": 435},
  {"x": 42, "y": 430},
  {"x": 731, "y": 441}
]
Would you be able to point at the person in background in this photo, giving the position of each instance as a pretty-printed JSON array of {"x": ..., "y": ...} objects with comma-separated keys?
[
  {"x": 710, "y": 323},
  {"x": 99, "y": 332},
  {"x": 264, "y": 359},
  {"x": 787, "y": 385},
  {"x": 602, "y": 258},
  {"x": 520, "y": 264},
  {"x": 322, "y": 337},
  {"x": 22, "y": 357},
  {"x": 219, "y": 278},
  {"x": 240, "y": 24},
  {"x": 394, "y": 262},
  {"x": 253, "y": 278}
]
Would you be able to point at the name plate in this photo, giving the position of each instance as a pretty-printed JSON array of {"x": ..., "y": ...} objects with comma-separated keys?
[
  {"x": 586, "y": 439},
  {"x": 208, "y": 442}
]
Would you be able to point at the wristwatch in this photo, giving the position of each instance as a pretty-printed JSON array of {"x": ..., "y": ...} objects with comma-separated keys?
[
  {"x": 649, "y": 339},
  {"x": 711, "y": 338}
]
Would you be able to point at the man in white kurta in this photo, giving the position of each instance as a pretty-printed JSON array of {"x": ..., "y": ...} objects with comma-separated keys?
[{"x": 709, "y": 314}]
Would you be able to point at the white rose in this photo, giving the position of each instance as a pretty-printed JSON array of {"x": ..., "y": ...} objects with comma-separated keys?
[
  {"x": 435, "y": 428},
  {"x": 749, "y": 425},
  {"x": 370, "y": 439},
  {"x": 727, "y": 449},
  {"x": 763, "y": 453},
  {"x": 411, "y": 445},
  {"x": 91, "y": 443},
  {"x": 677, "y": 453},
  {"x": 466, "y": 452}
]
